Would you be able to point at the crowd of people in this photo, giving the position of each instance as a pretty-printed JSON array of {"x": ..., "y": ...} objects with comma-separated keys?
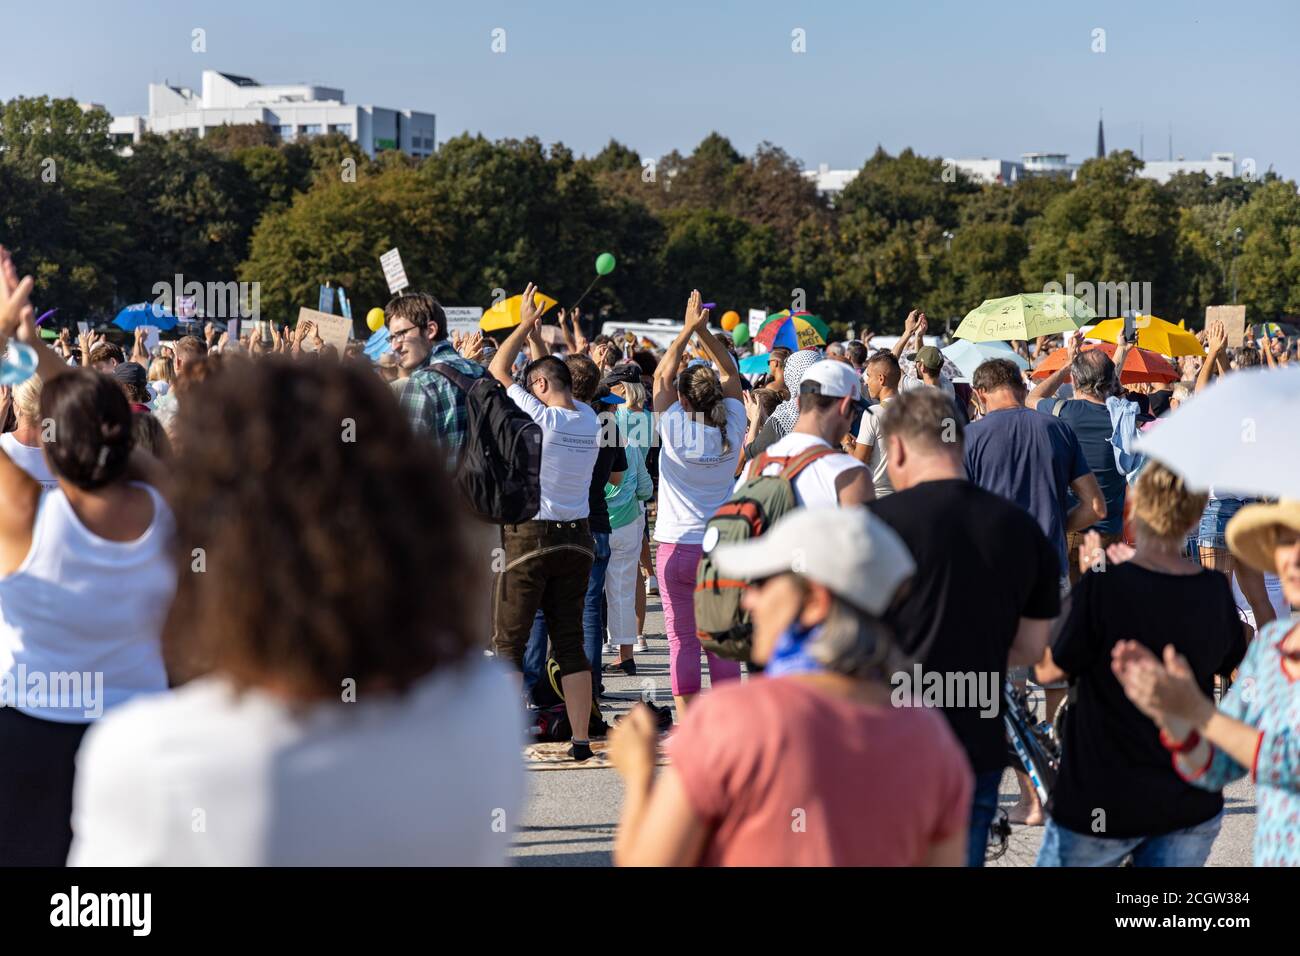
[{"x": 247, "y": 618}]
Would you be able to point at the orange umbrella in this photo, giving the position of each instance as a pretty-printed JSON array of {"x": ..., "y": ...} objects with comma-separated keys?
[{"x": 1140, "y": 365}]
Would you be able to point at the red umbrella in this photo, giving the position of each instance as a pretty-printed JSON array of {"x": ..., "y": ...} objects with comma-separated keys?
[{"x": 1140, "y": 365}]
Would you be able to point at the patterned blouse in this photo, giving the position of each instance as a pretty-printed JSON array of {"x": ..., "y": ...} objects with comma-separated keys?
[{"x": 1268, "y": 699}]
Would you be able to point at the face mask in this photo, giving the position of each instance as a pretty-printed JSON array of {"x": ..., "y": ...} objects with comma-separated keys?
[{"x": 790, "y": 656}]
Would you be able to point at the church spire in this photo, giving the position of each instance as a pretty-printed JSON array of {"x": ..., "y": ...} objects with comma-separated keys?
[{"x": 1101, "y": 138}]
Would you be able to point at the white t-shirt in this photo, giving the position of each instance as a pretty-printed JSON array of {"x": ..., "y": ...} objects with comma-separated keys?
[
  {"x": 87, "y": 612},
  {"x": 869, "y": 434},
  {"x": 570, "y": 444},
  {"x": 30, "y": 460},
  {"x": 695, "y": 476},
  {"x": 391, "y": 780},
  {"x": 814, "y": 487}
]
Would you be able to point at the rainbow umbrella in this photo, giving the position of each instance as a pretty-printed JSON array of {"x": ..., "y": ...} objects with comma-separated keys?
[{"x": 793, "y": 331}]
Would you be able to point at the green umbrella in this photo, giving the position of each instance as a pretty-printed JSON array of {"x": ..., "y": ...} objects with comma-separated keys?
[{"x": 1025, "y": 316}]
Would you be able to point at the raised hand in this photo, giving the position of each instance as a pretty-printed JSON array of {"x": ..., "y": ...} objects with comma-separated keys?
[
  {"x": 1217, "y": 334},
  {"x": 529, "y": 313},
  {"x": 697, "y": 317},
  {"x": 14, "y": 295}
]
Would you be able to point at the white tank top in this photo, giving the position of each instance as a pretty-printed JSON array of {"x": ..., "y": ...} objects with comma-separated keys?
[{"x": 81, "y": 618}]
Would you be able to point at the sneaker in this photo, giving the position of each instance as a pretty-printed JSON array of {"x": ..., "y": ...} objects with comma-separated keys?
[
  {"x": 580, "y": 752},
  {"x": 651, "y": 585},
  {"x": 642, "y": 644},
  {"x": 627, "y": 667}
]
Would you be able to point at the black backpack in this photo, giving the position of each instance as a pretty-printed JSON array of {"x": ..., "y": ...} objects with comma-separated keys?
[{"x": 500, "y": 465}]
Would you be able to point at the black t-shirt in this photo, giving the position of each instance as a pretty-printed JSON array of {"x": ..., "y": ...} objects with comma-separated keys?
[
  {"x": 609, "y": 459},
  {"x": 1112, "y": 758},
  {"x": 982, "y": 564}
]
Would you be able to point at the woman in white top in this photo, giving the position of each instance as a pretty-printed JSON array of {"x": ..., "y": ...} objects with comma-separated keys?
[
  {"x": 84, "y": 586},
  {"x": 24, "y": 444},
  {"x": 341, "y": 711},
  {"x": 701, "y": 425}
]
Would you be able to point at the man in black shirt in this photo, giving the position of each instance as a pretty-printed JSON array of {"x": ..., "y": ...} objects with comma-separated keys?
[{"x": 985, "y": 590}]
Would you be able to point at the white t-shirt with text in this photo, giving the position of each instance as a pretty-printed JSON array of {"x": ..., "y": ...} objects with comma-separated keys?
[
  {"x": 869, "y": 434},
  {"x": 570, "y": 444}
]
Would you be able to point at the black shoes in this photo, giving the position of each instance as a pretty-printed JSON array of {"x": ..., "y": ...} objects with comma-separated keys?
[{"x": 627, "y": 667}]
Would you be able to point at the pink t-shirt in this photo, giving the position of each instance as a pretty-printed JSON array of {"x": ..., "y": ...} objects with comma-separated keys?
[{"x": 787, "y": 775}]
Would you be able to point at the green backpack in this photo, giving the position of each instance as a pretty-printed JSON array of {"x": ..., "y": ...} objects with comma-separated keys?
[{"x": 721, "y": 624}]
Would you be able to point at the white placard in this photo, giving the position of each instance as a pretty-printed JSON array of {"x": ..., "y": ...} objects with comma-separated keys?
[
  {"x": 756, "y": 317},
  {"x": 151, "y": 335},
  {"x": 463, "y": 319},
  {"x": 394, "y": 272},
  {"x": 333, "y": 329}
]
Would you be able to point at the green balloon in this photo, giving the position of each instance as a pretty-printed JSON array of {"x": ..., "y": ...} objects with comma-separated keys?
[
  {"x": 604, "y": 264},
  {"x": 740, "y": 334}
]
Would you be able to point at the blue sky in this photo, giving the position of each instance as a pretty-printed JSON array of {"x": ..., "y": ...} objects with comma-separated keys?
[{"x": 947, "y": 78}]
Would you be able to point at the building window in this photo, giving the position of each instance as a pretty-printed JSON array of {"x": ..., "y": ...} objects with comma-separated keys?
[
  {"x": 312, "y": 129},
  {"x": 344, "y": 128},
  {"x": 286, "y": 132}
]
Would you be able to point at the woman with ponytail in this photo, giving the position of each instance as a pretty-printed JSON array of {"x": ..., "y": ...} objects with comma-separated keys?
[
  {"x": 85, "y": 583},
  {"x": 701, "y": 424}
]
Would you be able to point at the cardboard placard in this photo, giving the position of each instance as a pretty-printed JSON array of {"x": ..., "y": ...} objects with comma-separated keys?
[
  {"x": 1233, "y": 318},
  {"x": 464, "y": 319},
  {"x": 333, "y": 329}
]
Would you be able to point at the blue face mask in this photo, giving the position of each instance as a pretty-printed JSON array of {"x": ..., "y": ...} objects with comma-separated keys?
[{"x": 790, "y": 656}]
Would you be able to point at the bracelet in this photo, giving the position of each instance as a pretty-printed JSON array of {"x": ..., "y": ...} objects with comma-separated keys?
[{"x": 1189, "y": 743}]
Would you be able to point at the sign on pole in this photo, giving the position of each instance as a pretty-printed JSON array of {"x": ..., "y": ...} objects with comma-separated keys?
[
  {"x": 756, "y": 317},
  {"x": 326, "y": 299},
  {"x": 1233, "y": 318},
  {"x": 394, "y": 273},
  {"x": 345, "y": 307}
]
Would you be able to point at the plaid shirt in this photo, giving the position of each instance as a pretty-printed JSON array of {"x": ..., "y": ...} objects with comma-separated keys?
[{"x": 434, "y": 406}]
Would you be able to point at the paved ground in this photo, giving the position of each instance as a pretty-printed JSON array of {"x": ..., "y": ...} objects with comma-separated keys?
[{"x": 570, "y": 815}]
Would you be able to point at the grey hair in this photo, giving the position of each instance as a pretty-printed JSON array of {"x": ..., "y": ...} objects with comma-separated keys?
[
  {"x": 1182, "y": 392},
  {"x": 855, "y": 644},
  {"x": 1094, "y": 373},
  {"x": 634, "y": 395}
]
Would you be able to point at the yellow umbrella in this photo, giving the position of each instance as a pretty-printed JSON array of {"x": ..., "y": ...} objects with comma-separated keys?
[
  {"x": 1154, "y": 334},
  {"x": 505, "y": 314}
]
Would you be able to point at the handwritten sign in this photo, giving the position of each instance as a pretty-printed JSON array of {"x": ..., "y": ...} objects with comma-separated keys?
[{"x": 334, "y": 329}]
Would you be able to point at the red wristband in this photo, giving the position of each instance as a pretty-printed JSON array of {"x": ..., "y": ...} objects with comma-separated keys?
[{"x": 1189, "y": 743}]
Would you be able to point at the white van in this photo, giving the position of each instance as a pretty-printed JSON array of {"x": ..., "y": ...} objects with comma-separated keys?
[{"x": 659, "y": 331}]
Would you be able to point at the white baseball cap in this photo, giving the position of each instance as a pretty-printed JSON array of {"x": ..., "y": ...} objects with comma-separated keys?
[
  {"x": 850, "y": 551},
  {"x": 832, "y": 379}
]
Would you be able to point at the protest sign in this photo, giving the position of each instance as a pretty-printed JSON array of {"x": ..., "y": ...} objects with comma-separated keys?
[
  {"x": 333, "y": 329},
  {"x": 1233, "y": 318},
  {"x": 394, "y": 272}
]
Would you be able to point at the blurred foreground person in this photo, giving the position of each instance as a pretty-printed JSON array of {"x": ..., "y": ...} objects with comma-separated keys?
[
  {"x": 814, "y": 763},
  {"x": 345, "y": 715}
]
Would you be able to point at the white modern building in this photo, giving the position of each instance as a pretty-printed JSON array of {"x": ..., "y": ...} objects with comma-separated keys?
[
  {"x": 1219, "y": 164},
  {"x": 830, "y": 182},
  {"x": 1000, "y": 172},
  {"x": 294, "y": 111}
]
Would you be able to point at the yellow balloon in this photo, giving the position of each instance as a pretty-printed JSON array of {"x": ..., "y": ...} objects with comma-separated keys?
[
  {"x": 730, "y": 320},
  {"x": 375, "y": 319}
]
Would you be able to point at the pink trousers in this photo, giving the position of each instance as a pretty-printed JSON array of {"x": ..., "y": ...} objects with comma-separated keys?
[{"x": 675, "y": 566}]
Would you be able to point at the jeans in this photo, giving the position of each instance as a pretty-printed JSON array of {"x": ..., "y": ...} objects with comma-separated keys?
[
  {"x": 1189, "y": 847},
  {"x": 675, "y": 565},
  {"x": 983, "y": 807},
  {"x": 593, "y": 621}
]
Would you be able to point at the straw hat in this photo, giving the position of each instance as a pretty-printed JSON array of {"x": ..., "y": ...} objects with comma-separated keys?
[{"x": 1252, "y": 532}]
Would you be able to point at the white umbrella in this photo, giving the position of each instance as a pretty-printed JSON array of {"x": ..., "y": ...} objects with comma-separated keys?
[
  {"x": 1242, "y": 434},
  {"x": 968, "y": 356}
]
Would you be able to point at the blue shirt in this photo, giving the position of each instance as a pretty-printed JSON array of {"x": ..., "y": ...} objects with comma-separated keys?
[
  {"x": 1028, "y": 458},
  {"x": 1091, "y": 423}
]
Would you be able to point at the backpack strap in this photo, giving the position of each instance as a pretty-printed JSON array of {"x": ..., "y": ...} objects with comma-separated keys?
[
  {"x": 454, "y": 375},
  {"x": 797, "y": 463},
  {"x": 791, "y": 465},
  {"x": 1057, "y": 406}
]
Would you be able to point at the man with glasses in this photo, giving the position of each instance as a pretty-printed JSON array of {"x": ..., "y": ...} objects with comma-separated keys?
[{"x": 417, "y": 332}]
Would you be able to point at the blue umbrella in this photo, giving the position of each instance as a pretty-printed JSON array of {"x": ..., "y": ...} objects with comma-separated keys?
[
  {"x": 145, "y": 313},
  {"x": 968, "y": 356},
  {"x": 377, "y": 344}
]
